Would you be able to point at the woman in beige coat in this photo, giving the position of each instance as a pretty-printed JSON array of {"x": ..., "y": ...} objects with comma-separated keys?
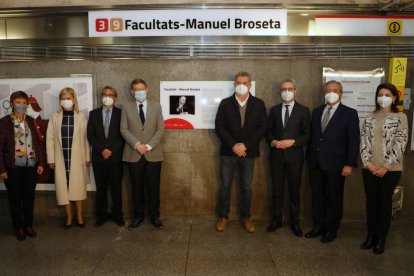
[{"x": 68, "y": 154}]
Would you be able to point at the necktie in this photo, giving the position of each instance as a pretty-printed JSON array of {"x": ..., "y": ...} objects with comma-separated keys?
[
  {"x": 141, "y": 114},
  {"x": 325, "y": 119},
  {"x": 106, "y": 123},
  {"x": 286, "y": 119}
]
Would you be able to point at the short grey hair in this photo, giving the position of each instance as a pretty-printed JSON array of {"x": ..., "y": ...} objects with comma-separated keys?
[
  {"x": 243, "y": 74},
  {"x": 334, "y": 82}
]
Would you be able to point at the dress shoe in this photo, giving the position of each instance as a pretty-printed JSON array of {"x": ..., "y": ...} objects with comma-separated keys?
[
  {"x": 118, "y": 220},
  {"x": 296, "y": 230},
  {"x": 328, "y": 237},
  {"x": 248, "y": 225},
  {"x": 379, "y": 247},
  {"x": 274, "y": 225},
  {"x": 315, "y": 232},
  {"x": 30, "y": 232},
  {"x": 81, "y": 225},
  {"x": 157, "y": 223},
  {"x": 100, "y": 221},
  {"x": 221, "y": 224},
  {"x": 135, "y": 223},
  {"x": 369, "y": 243},
  {"x": 20, "y": 234}
]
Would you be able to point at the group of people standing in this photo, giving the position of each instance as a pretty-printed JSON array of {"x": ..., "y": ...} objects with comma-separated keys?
[
  {"x": 332, "y": 139},
  {"x": 133, "y": 134}
]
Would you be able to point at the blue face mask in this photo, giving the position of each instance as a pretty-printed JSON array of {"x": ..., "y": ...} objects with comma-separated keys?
[{"x": 140, "y": 95}]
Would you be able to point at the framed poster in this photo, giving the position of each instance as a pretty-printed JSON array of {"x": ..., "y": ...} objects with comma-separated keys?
[
  {"x": 43, "y": 95},
  {"x": 193, "y": 104}
]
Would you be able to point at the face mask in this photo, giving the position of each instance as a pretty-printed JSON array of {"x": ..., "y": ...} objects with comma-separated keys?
[
  {"x": 384, "y": 101},
  {"x": 32, "y": 113},
  {"x": 107, "y": 101},
  {"x": 66, "y": 104},
  {"x": 287, "y": 95},
  {"x": 140, "y": 95},
  {"x": 20, "y": 108},
  {"x": 241, "y": 89},
  {"x": 331, "y": 97}
]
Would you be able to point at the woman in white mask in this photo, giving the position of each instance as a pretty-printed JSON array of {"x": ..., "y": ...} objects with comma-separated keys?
[
  {"x": 384, "y": 136},
  {"x": 68, "y": 154}
]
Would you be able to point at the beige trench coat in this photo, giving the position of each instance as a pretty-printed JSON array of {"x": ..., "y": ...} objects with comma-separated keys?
[{"x": 78, "y": 175}]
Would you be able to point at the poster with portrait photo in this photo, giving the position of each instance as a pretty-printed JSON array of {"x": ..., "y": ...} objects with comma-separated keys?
[{"x": 193, "y": 104}]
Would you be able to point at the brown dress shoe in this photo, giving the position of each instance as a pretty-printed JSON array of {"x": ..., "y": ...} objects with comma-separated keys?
[
  {"x": 20, "y": 234},
  {"x": 221, "y": 224},
  {"x": 248, "y": 225},
  {"x": 30, "y": 232}
]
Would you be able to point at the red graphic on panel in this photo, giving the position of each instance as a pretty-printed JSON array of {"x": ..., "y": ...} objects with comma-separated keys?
[{"x": 177, "y": 123}]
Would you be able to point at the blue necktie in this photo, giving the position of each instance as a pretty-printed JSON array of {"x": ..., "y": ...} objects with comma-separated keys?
[
  {"x": 141, "y": 114},
  {"x": 106, "y": 123}
]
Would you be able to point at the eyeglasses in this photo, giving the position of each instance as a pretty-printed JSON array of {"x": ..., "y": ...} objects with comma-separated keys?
[{"x": 111, "y": 95}]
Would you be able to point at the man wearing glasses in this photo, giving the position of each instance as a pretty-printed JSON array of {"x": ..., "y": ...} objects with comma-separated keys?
[
  {"x": 288, "y": 132},
  {"x": 107, "y": 146}
]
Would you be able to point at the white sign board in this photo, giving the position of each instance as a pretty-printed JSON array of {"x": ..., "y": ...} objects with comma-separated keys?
[
  {"x": 358, "y": 88},
  {"x": 349, "y": 25},
  {"x": 198, "y": 22},
  {"x": 43, "y": 102},
  {"x": 193, "y": 104}
]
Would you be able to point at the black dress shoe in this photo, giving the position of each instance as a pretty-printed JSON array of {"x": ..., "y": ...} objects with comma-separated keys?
[
  {"x": 118, "y": 220},
  {"x": 30, "y": 232},
  {"x": 328, "y": 237},
  {"x": 296, "y": 230},
  {"x": 135, "y": 223},
  {"x": 81, "y": 225},
  {"x": 274, "y": 225},
  {"x": 157, "y": 223},
  {"x": 379, "y": 247},
  {"x": 315, "y": 232},
  {"x": 369, "y": 243},
  {"x": 100, "y": 221}
]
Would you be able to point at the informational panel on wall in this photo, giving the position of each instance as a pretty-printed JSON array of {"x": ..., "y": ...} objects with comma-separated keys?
[
  {"x": 193, "y": 104},
  {"x": 358, "y": 86},
  {"x": 43, "y": 102}
]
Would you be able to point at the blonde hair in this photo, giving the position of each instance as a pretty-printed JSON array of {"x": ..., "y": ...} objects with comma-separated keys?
[{"x": 71, "y": 91}]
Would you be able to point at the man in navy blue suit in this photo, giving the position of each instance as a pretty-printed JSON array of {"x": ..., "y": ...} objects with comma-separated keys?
[{"x": 332, "y": 153}]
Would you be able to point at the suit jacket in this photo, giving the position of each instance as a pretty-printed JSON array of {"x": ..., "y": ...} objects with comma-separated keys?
[
  {"x": 78, "y": 176},
  {"x": 97, "y": 139},
  {"x": 229, "y": 130},
  {"x": 150, "y": 133},
  {"x": 298, "y": 128},
  {"x": 338, "y": 145},
  {"x": 7, "y": 144}
]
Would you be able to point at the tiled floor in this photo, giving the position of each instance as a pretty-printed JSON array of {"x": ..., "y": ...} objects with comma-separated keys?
[{"x": 193, "y": 247}]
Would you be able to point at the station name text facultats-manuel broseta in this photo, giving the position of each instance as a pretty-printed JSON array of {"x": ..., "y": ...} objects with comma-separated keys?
[{"x": 194, "y": 24}]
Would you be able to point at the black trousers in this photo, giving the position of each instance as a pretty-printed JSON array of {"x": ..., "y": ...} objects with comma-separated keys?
[
  {"x": 379, "y": 192},
  {"x": 327, "y": 198},
  {"x": 21, "y": 185},
  {"x": 145, "y": 177},
  {"x": 293, "y": 174},
  {"x": 108, "y": 175}
]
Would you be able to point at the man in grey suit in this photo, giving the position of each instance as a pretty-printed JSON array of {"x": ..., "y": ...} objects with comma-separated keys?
[{"x": 142, "y": 127}]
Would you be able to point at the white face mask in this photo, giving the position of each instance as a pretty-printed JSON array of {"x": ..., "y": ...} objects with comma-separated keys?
[
  {"x": 331, "y": 97},
  {"x": 66, "y": 104},
  {"x": 287, "y": 95},
  {"x": 241, "y": 89},
  {"x": 107, "y": 101},
  {"x": 384, "y": 101},
  {"x": 31, "y": 112}
]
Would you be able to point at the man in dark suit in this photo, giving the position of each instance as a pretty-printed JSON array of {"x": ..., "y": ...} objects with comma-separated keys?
[
  {"x": 240, "y": 125},
  {"x": 107, "y": 144},
  {"x": 333, "y": 151},
  {"x": 287, "y": 133},
  {"x": 142, "y": 126}
]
